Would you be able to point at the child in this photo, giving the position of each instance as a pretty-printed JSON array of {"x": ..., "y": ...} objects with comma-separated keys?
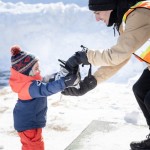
[{"x": 31, "y": 107}]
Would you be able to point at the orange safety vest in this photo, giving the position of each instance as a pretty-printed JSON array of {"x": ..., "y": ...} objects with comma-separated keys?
[{"x": 143, "y": 53}]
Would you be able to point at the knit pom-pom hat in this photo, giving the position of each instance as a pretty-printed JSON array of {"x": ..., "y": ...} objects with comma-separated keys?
[{"x": 22, "y": 61}]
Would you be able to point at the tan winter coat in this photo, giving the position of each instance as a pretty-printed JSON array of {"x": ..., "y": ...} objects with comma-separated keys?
[{"x": 137, "y": 32}]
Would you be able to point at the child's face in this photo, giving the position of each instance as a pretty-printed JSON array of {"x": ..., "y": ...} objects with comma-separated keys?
[{"x": 36, "y": 69}]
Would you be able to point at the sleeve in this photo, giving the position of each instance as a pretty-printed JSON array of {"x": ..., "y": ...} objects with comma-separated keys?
[
  {"x": 106, "y": 72},
  {"x": 136, "y": 33},
  {"x": 41, "y": 89}
]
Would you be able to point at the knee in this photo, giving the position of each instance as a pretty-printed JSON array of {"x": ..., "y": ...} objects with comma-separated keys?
[
  {"x": 147, "y": 99},
  {"x": 136, "y": 88}
]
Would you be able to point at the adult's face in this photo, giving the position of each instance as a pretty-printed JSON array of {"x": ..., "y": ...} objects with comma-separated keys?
[{"x": 103, "y": 16}]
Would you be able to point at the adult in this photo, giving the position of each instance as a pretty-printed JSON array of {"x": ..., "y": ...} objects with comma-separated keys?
[{"x": 132, "y": 20}]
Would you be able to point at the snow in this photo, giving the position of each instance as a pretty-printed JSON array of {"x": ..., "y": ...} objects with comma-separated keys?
[
  {"x": 81, "y": 3},
  {"x": 52, "y": 31},
  {"x": 68, "y": 116}
]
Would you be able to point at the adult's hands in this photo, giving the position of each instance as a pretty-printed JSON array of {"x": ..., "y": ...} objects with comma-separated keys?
[{"x": 86, "y": 85}]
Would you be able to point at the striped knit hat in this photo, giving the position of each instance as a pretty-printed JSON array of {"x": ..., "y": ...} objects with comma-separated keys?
[{"x": 22, "y": 61}]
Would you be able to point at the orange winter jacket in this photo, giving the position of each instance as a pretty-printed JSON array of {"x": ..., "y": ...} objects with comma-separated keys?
[{"x": 31, "y": 107}]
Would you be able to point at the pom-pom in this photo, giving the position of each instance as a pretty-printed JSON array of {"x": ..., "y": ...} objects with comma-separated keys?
[{"x": 15, "y": 50}]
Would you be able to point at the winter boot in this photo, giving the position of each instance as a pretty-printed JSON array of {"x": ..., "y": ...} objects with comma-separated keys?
[{"x": 141, "y": 145}]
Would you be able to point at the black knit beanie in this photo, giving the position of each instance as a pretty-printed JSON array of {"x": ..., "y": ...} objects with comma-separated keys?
[{"x": 102, "y": 5}]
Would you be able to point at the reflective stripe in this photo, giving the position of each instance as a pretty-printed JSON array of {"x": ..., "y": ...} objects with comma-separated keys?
[
  {"x": 144, "y": 4},
  {"x": 144, "y": 51}
]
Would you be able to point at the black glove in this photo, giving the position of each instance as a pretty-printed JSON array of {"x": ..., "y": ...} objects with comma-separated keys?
[
  {"x": 78, "y": 58},
  {"x": 71, "y": 75},
  {"x": 71, "y": 70},
  {"x": 86, "y": 85},
  {"x": 72, "y": 80}
]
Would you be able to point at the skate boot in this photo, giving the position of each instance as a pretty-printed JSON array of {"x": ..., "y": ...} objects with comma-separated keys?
[{"x": 141, "y": 145}]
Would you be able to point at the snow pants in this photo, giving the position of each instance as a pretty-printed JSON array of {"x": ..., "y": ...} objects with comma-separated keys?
[
  {"x": 32, "y": 139},
  {"x": 141, "y": 91}
]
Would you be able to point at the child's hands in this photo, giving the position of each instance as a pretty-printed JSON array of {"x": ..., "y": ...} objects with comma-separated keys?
[
  {"x": 72, "y": 79},
  {"x": 71, "y": 75}
]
